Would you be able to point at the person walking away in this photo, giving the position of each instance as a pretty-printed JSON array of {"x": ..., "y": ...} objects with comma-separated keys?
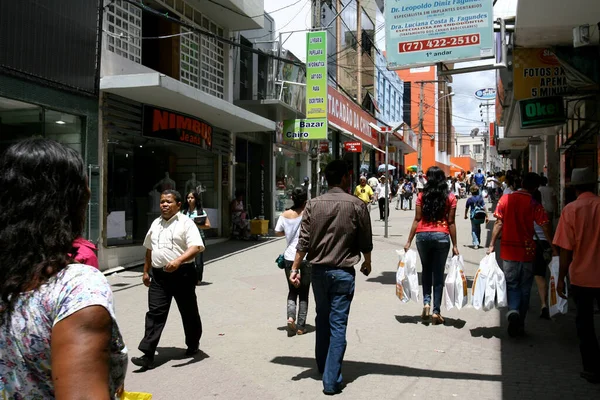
[
  {"x": 479, "y": 179},
  {"x": 421, "y": 181},
  {"x": 577, "y": 236},
  {"x": 434, "y": 225},
  {"x": 364, "y": 191},
  {"x": 407, "y": 191},
  {"x": 549, "y": 200},
  {"x": 475, "y": 210},
  {"x": 59, "y": 336},
  {"x": 192, "y": 208},
  {"x": 515, "y": 215},
  {"x": 543, "y": 256},
  {"x": 335, "y": 230},
  {"x": 288, "y": 225},
  {"x": 509, "y": 185},
  {"x": 492, "y": 184},
  {"x": 373, "y": 182},
  {"x": 468, "y": 179},
  {"x": 380, "y": 192},
  {"x": 239, "y": 217},
  {"x": 172, "y": 243}
]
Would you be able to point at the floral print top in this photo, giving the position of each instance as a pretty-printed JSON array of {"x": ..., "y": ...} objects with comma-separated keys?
[{"x": 25, "y": 356}]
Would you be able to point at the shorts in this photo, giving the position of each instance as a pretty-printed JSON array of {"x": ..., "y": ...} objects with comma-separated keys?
[{"x": 540, "y": 266}]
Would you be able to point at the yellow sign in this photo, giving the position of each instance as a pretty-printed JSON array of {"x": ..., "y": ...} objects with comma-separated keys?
[{"x": 537, "y": 73}]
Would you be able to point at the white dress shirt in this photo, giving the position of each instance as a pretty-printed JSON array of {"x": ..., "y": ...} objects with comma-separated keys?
[{"x": 170, "y": 239}]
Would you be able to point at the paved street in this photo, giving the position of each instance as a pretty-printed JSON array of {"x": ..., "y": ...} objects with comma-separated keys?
[{"x": 246, "y": 353}]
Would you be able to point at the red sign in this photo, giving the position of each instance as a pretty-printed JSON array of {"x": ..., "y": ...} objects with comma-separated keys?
[
  {"x": 324, "y": 147},
  {"x": 353, "y": 147},
  {"x": 348, "y": 115},
  {"x": 169, "y": 125},
  {"x": 492, "y": 136}
]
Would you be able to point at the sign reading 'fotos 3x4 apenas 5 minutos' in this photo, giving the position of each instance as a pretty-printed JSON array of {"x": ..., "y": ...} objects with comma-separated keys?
[{"x": 421, "y": 32}]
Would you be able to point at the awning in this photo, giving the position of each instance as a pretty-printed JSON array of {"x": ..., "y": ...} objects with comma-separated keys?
[
  {"x": 163, "y": 91},
  {"x": 397, "y": 140},
  {"x": 348, "y": 133}
]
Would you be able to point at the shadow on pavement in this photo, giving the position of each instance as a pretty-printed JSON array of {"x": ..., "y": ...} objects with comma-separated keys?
[
  {"x": 166, "y": 354},
  {"x": 231, "y": 247},
  {"x": 309, "y": 329},
  {"x": 416, "y": 319},
  {"x": 353, "y": 370}
]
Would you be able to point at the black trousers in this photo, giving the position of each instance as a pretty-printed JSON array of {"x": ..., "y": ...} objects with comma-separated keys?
[
  {"x": 588, "y": 342},
  {"x": 381, "y": 201},
  {"x": 181, "y": 285}
]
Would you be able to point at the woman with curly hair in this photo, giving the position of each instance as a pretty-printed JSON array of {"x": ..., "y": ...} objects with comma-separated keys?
[
  {"x": 57, "y": 322},
  {"x": 434, "y": 226}
]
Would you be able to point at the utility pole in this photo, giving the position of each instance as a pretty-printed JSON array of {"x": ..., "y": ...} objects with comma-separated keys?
[{"x": 486, "y": 138}]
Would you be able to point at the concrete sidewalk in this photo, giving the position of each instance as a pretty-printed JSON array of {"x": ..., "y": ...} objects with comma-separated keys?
[{"x": 391, "y": 354}]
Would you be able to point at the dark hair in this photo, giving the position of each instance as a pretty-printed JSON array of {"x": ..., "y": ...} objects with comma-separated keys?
[
  {"x": 544, "y": 181},
  {"x": 510, "y": 181},
  {"x": 173, "y": 193},
  {"x": 435, "y": 195},
  {"x": 186, "y": 206},
  {"x": 531, "y": 181},
  {"x": 239, "y": 193},
  {"x": 588, "y": 187},
  {"x": 537, "y": 196},
  {"x": 38, "y": 174},
  {"x": 335, "y": 171},
  {"x": 299, "y": 196},
  {"x": 479, "y": 170}
]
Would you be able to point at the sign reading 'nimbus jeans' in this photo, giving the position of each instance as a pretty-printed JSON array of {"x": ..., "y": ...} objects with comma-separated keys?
[
  {"x": 425, "y": 32},
  {"x": 316, "y": 74},
  {"x": 305, "y": 129}
]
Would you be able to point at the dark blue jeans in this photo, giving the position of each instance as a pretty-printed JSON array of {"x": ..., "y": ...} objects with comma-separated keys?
[
  {"x": 519, "y": 278},
  {"x": 433, "y": 249},
  {"x": 334, "y": 290}
]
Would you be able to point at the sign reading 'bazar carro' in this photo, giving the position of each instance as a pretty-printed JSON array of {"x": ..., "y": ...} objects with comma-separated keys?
[
  {"x": 425, "y": 32},
  {"x": 180, "y": 128},
  {"x": 305, "y": 129}
]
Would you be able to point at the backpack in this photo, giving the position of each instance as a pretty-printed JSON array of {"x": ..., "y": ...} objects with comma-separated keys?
[{"x": 478, "y": 213}]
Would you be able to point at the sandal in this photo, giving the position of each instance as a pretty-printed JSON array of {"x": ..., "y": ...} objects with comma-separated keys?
[
  {"x": 301, "y": 331},
  {"x": 426, "y": 312},
  {"x": 436, "y": 319},
  {"x": 291, "y": 328}
]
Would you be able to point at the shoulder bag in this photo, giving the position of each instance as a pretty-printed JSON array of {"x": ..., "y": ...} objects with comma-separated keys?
[{"x": 280, "y": 260}]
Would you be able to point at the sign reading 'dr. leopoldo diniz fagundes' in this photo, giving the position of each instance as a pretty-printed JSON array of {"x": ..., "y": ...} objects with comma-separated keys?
[
  {"x": 425, "y": 32},
  {"x": 305, "y": 129}
]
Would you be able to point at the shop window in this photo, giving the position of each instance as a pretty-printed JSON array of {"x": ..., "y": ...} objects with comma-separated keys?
[
  {"x": 64, "y": 128},
  {"x": 290, "y": 170},
  {"x": 139, "y": 169}
]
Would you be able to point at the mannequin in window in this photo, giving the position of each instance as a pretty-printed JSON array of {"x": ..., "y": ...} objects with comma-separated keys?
[
  {"x": 192, "y": 184},
  {"x": 165, "y": 183}
]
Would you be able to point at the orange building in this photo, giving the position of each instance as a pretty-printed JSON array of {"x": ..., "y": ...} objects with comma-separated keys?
[{"x": 437, "y": 117}]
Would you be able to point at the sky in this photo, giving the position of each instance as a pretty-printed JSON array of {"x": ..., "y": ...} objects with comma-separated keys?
[{"x": 466, "y": 111}]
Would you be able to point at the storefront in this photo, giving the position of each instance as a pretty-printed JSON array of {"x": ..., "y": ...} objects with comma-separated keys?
[{"x": 349, "y": 123}]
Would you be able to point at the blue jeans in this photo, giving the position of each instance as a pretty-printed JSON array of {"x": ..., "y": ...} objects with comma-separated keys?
[
  {"x": 433, "y": 249},
  {"x": 519, "y": 278},
  {"x": 476, "y": 232},
  {"x": 334, "y": 290}
]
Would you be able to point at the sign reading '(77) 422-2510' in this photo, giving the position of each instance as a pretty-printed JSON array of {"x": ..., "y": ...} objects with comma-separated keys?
[
  {"x": 425, "y": 32},
  {"x": 316, "y": 74}
]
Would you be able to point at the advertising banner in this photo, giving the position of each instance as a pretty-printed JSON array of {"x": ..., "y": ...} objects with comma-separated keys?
[
  {"x": 537, "y": 73},
  {"x": 348, "y": 115},
  {"x": 316, "y": 74},
  {"x": 169, "y": 125},
  {"x": 305, "y": 129},
  {"x": 425, "y": 32}
]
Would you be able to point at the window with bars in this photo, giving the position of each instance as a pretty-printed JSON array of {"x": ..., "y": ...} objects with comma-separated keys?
[
  {"x": 465, "y": 150},
  {"x": 123, "y": 25},
  {"x": 202, "y": 63}
]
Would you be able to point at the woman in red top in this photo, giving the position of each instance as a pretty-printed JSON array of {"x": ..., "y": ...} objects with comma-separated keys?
[{"x": 434, "y": 226}]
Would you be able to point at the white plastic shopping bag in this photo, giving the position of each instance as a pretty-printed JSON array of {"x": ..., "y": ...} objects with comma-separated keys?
[
  {"x": 449, "y": 286},
  {"x": 556, "y": 304},
  {"x": 461, "y": 296},
  {"x": 480, "y": 283},
  {"x": 402, "y": 284},
  {"x": 410, "y": 266},
  {"x": 501, "y": 295}
]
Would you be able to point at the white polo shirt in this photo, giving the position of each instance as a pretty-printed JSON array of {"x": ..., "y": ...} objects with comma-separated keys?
[{"x": 170, "y": 239}]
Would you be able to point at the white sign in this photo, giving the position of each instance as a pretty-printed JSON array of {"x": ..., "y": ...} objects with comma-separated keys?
[{"x": 486, "y": 94}]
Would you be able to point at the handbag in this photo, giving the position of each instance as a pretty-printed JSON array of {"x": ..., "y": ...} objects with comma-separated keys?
[
  {"x": 547, "y": 252},
  {"x": 280, "y": 260}
]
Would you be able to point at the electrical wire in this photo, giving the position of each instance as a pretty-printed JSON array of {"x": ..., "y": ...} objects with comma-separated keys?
[{"x": 253, "y": 16}]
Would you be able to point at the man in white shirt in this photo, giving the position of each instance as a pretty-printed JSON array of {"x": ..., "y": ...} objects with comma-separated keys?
[{"x": 172, "y": 244}]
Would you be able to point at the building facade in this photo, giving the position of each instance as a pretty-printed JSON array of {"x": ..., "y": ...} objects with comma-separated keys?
[{"x": 168, "y": 121}]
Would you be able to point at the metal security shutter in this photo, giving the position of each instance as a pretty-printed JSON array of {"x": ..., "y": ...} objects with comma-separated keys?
[{"x": 121, "y": 115}]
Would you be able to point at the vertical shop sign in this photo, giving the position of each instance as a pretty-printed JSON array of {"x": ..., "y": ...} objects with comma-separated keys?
[
  {"x": 425, "y": 32},
  {"x": 316, "y": 74}
]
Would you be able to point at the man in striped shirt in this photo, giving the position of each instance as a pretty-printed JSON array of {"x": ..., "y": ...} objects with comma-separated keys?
[{"x": 335, "y": 229}]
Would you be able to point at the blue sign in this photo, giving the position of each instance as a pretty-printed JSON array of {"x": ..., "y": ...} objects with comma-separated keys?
[
  {"x": 486, "y": 94},
  {"x": 425, "y": 32}
]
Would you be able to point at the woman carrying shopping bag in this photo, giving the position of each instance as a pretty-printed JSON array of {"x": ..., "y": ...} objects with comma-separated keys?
[
  {"x": 288, "y": 225},
  {"x": 434, "y": 226}
]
